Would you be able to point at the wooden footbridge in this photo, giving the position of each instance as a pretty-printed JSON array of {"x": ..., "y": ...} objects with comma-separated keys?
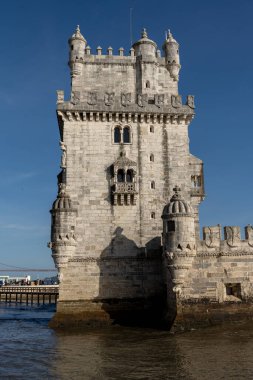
[{"x": 36, "y": 294}]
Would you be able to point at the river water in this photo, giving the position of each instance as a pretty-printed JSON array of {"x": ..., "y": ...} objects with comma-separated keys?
[{"x": 30, "y": 350}]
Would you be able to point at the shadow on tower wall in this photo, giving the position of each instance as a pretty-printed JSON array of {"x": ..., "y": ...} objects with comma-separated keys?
[{"x": 132, "y": 288}]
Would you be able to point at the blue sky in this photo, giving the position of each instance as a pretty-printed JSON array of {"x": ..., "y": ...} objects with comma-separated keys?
[{"x": 216, "y": 54}]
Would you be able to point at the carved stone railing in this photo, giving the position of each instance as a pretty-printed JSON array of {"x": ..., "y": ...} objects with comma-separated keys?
[{"x": 125, "y": 188}]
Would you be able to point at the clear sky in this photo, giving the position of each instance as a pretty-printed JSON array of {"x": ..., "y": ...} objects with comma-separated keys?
[{"x": 216, "y": 54}]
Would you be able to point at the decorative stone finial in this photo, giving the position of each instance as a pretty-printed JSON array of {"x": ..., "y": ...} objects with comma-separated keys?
[
  {"x": 109, "y": 50},
  {"x": 170, "y": 37},
  {"x": 144, "y": 33},
  {"x": 78, "y": 34}
]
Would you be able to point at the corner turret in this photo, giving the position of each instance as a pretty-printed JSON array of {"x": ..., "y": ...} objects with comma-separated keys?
[
  {"x": 77, "y": 45},
  {"x": 179, "y": 240},
  {"x": 145, "y": 47},
  {"x": 171, "y": 51},
  {"x": 63, "y": 236}
]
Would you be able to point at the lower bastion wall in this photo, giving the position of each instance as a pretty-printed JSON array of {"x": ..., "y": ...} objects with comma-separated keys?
[
  {"x": 217, "y": 287},
  {"x": 111, "y": 290}
]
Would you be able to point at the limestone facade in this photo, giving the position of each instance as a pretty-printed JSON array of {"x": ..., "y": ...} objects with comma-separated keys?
[{"x": 125, "y": 147}]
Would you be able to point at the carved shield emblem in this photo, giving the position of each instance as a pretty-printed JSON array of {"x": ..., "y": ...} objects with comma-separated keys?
[
  {"x": 142, "y": 100},
  {"x": 125, "y": 99},
  {"x": 75, "y": 97},
  {"x": 249, "y": 235},
  {"x": 190, "y": 101},
  {"x": 176, "y": 101},
  {"x": 232, "y": 235},
  {"x": 212, "y": 236},
  {"x": 92, "y": 98},
  {"x": 159, "y": 100},
  {"x": 109, "y": 98}
]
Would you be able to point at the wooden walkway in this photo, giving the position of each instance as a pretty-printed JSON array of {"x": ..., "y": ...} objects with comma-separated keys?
[{"x": 39, "y": 294}]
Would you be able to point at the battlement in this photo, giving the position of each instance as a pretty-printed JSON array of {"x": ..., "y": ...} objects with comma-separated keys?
[
  {"x": 212, "y": 237},
  {"x": 113, "y": 58},
  {"x": 127, "y": 103}
]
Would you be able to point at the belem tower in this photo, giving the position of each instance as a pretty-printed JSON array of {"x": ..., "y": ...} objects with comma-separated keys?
[{"x": 125, "y": 227}]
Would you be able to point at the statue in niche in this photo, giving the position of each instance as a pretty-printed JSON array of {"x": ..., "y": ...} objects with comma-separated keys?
[
  {"x": 142, "y": 100},
  {"x": 64, "y": 155},
  {"x": 159, "y": 100},
  {"x": 75, "y": 97},
  {"x": 92, "y": 98},
  {"x": 176, "y": 101},
  {"x": 125, "y": 99},
  {"x": 232, "y": 235},
  {"x": 109, "y": 98},
  {"x": 190, "y": 101}
]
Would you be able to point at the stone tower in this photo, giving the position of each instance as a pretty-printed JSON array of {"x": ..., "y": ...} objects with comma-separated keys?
[{"x": 125, "y": 146}]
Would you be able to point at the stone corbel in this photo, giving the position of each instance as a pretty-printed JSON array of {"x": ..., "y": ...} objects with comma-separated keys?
[
  {"x": 77, "y": 116},
  {"x": 69, "y": 115}
]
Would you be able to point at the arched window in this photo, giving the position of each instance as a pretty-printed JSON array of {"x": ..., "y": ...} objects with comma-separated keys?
[
  {"x": 121, "y": 175},
  {"x": 126, "y": 135},
  {"x": 148, "y": 84},
  {"x": 117, "y": 135},
  {"x": 151, "y": 158},
  {"x": 152, "y": 129},
  {"x": 129, "y": 175},
  {"x": 152, "y": 215},
  {"x": 152, "y": 184}
]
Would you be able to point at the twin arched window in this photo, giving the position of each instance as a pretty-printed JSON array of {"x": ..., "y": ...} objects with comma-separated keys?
[
  {"x": 123, "y": 176},
  {"x": 122, "y": 135}
]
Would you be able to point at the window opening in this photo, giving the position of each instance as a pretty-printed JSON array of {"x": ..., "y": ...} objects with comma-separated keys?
[
  {"x": 148, "y": 84},
  {"x": 234, "y": 290},
  {"x": 121, "y": 175},
  {"x": 152, "y": 158},
  {"x": 152, "y": 185},
  {"x": 152, "y": 215},
  {"x": 129, "y": 176},
  {"x": 171, "y": 226},
  {"x": 126, "y": 135},
  {"x": 152, "y": 129},
  {"x": 117, "y": 135}
]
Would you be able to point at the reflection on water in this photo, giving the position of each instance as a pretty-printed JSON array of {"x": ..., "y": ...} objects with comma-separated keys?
[{"x": 29, "y": 349}]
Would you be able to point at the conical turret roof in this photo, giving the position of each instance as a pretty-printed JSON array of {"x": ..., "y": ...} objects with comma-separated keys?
[{"x": 78, "y": 35}]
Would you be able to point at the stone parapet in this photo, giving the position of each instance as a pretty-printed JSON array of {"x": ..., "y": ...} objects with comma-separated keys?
[{"x": 213, "y": 244}]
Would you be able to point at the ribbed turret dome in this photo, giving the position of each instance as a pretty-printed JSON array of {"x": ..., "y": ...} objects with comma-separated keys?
[
  {"x": 144, "y": 40},
  {"x": 78, "y": 35},
  {"x": 177, "y": 205},
  {"x": 63, "y": 202}
]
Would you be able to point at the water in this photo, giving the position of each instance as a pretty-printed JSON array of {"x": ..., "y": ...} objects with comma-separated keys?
[{"x": 30, "y": 350}]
